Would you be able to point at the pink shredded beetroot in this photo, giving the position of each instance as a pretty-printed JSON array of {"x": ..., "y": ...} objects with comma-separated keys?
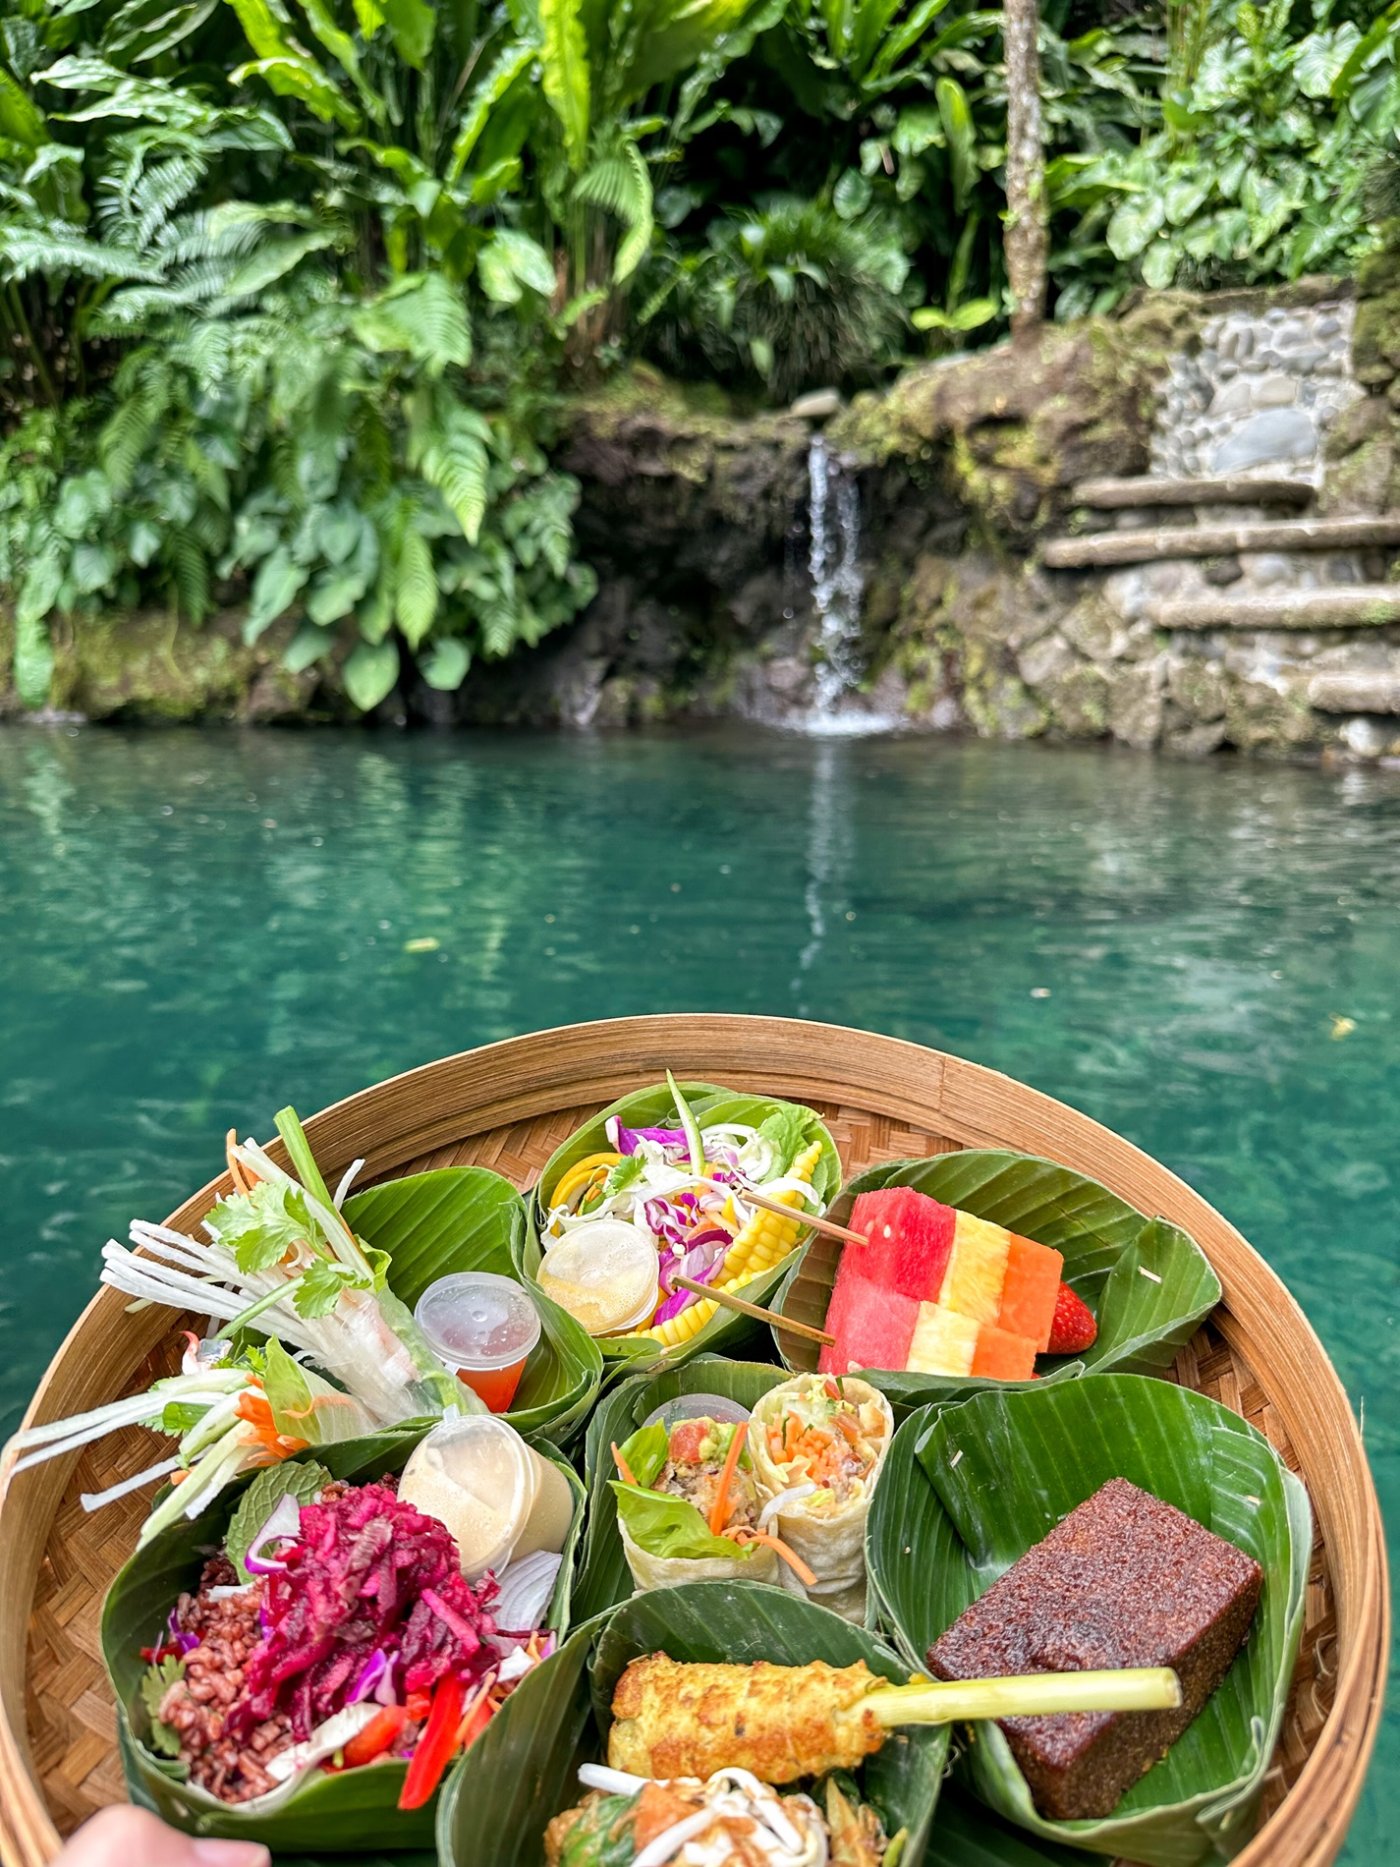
[{"x": 369, "y": 1573}]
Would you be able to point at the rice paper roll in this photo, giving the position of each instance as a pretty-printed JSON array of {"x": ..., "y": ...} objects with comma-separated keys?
[
  {"x": 818, "y": 1446},
  {"x": 673, "y": 1486}
]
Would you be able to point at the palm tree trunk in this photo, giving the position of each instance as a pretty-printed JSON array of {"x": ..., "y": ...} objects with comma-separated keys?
[{"x": 1026, "y": 238}]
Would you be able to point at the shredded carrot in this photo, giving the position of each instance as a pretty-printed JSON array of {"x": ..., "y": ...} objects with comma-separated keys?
[
  {"x": 719, "y": 1510},
  {"x": 833, "y": 1391},
  {"x": 240, "y": 1180},
  {"x": 624, "y": 1470},
  {"x": 789, "y": 1556},
  {"x": 848, "y": 1426}
]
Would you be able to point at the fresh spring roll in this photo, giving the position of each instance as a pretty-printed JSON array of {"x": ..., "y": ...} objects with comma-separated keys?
[
  {"x": 818, "y": 1444},
  {"x": 673, "y": 1487}
]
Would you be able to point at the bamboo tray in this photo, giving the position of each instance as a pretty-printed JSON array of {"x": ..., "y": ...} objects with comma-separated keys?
[{"x": 507, "y": 1106}]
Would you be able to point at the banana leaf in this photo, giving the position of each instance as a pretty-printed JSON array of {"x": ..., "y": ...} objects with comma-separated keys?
[
  {"x": 470, "y": 1219},
  {"x": 604, "y": 1578},
  {"x": 651, "y": 1108},
  {"x": 523, "y": 1769},
  {"x": 968, "y": 1488},
  {"x": 1149, "y": 1285},
  {"x": 329, "y": 1817}
]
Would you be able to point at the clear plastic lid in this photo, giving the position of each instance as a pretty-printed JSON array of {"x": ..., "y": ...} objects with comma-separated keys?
[
  {"x": 603, "y": 1274},
  {"x": 477, "y": 1320},
  {"x": 715, "y": 1407},
  {"x": 494, "y": 1492}
]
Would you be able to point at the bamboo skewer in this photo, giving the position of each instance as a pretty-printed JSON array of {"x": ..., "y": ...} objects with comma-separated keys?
[
  {"x": 745, "y": 1308},
  {"x": 827, "y": 1227}
]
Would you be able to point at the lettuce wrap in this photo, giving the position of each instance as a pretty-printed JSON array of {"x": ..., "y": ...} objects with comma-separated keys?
[
  {"x": 817, "y": 1445},
  {"x": 666, "y": 1503}
]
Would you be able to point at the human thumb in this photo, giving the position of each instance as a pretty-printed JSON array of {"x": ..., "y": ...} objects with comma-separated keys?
[{"x": 124, "y": 1837}]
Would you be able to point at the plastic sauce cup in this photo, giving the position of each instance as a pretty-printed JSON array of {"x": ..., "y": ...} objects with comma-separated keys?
[{"x": 483, "y": 1327}]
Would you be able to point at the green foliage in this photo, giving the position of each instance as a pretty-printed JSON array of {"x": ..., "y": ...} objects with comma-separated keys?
[
  {"x": 1261, "y": 165},
  {"x": 790, "y": 296},
  {"x": 286, "y": 285}
]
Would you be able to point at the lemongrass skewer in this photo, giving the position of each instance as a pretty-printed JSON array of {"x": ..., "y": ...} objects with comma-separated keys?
[{"x": 1030, "y": 1695}]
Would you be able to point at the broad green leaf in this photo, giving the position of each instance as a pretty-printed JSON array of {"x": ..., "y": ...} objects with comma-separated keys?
[
  {"x": 604, "y": 1578},
  {"x": 412, "y": 26},
  {"x": 968, "y": 1488},
  {"x": 510, "y": 64},
  {"x": 469, "y": 1219},
  {"x": 275, "y": 589},
  {"x": 302, "y": 79},
  {"x": 445, "y": 668},
  {"x": 956, "y": 113},
  {"x": 851, "y": 196},
  {"x": 352, "y": 1814},
  {"x": 651, "y": 1108},
  {"x": 523, "y": 1770},
  {"x": 423, "y": 314},
  {"x": 567, "y": 82},
  {"x": 1149, "y": 1285},
  {"x": 370, "y": 673},
  {"x": 1134, "y": 223}
]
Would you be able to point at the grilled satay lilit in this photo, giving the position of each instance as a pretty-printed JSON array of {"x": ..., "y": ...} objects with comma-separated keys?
[{"x": 677, "y": 1718}]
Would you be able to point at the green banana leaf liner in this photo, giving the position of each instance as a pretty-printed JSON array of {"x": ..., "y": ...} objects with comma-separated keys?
[
  {"x": 329, "y": 1817},
  {"x": 655, "y": 1108},
  {"x": 470, "y": 1219},
  {"x": 1149, "y": 1285},
  {"x": 604, "y": 1577},
  {"x": 969, "y": 1487},
  {"x": 523, "y": 1769}
]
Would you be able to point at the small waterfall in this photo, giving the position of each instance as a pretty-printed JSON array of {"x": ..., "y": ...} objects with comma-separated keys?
[{"x": 834, "y": 519}]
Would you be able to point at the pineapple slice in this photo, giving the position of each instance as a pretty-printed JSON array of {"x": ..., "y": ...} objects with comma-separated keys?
[
  {"x": 977, "y": 1268},
  {"x": 944, "y": 1342}
]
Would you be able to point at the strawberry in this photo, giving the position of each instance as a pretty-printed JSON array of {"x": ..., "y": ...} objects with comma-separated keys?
[{"x": 1074, "y": 1327}]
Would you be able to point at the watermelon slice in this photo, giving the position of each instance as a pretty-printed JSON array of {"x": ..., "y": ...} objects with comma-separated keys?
[
  {"x": 911, "y": 1237},
  {"x": 872, "y": 1325},
  {"x": 1029, "y": 1292},
  {"x": 1001, "y": 1356}
]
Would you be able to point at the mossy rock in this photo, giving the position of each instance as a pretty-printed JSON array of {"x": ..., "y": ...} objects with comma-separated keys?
[{"x": 150, "y": 665}]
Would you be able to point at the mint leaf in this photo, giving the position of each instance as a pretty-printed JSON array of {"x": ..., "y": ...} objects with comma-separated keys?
[
  {"x": 318, "y": 1290},
  {"x": 292, "y": 1478},
  {"x": 179, "y": 1416},
  {"x": 261, "y": 1227},
  {"x": 155, "y": 1683}
]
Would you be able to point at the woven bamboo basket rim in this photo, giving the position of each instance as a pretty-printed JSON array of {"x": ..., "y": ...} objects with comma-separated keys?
[{"x": 506, "y": 1105}]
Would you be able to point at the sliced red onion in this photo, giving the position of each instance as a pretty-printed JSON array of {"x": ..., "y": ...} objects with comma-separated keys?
[
  {"x": 624, "y": 1140},
  {"x": 705, "y": 1252},
  {"x": 527, "y": 1588},
  {"x": 371, "y": 1676},
  {"x": 283, "y": 1526}
]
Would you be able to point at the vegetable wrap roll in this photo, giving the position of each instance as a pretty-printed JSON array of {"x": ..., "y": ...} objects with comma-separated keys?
[
  {"x": 818, "y": 1445},
  {"x": 688, "y": 1506}
]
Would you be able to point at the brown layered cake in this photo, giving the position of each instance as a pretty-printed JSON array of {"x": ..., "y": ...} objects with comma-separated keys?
[{"x": 1124, "y": 1580}]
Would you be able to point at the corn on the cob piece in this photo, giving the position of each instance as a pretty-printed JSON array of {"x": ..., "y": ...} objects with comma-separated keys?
[
  {"x": 767, "y": 1239},
  {"x": 764, "y": 1242}
]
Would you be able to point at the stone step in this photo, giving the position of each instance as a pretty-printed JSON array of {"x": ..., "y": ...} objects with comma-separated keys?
[
  {"x": 1096, "y": 550},
  {"x": 1229, "y": 489},
  {"x": 1365, "y": 691},
  {"x": 1341, "y": 606}
]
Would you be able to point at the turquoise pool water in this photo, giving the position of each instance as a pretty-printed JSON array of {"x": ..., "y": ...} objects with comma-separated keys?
[{"x": 198, "y": 927}]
